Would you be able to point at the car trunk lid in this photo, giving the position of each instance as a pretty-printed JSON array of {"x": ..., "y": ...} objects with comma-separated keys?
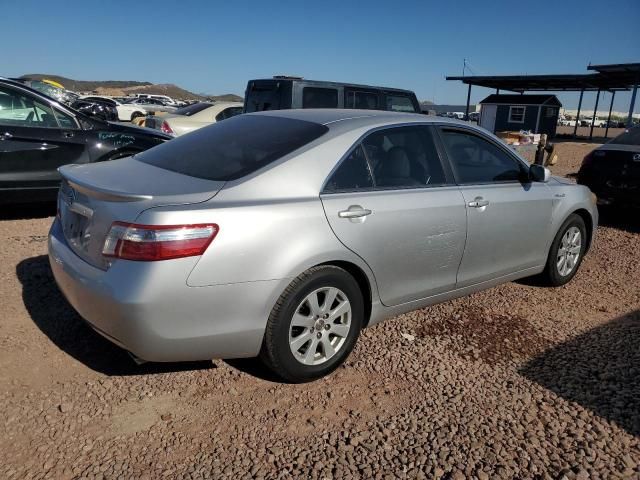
[{"x": 92, "y": 197}]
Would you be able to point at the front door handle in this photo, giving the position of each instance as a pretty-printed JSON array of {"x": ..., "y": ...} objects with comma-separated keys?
[
  {"x": 6, "y": 136},
  {"x": 478, "y": 202},
  {"x": 68, "y": 134},
  {"x": 354, "y": 211}
]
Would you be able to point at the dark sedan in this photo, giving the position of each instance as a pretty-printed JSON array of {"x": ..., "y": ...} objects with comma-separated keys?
[
  {"x": 612, "y": 171},
  {"x": 38, "y": 135},
  {"x": 104, "y": 109}
]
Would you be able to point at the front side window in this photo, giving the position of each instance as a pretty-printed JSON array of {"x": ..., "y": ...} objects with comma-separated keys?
[
  {"x": 476, "y": 160},
  {"x": 516, "y": 114},
  {"x": 399, "y": 103},
  {"x": 404, "y": 157},
  {"x": 353, "y": 174},
  {"x": 64, "y": 120},
  {"x": 17, "y": 109},
  {"x": 313, "y": 97},
  {"x": 361, "y": 100}
]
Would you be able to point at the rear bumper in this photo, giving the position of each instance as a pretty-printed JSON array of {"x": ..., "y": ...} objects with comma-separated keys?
[
  {"x": 624, "y": 193},
  {"x": 148, "y": 309}
]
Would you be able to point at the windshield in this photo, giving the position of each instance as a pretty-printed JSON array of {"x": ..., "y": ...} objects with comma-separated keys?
[
  {"x": 234, "y": 148},
  {"x": 629, "y": 137},
  {"x": 192, "y": 109}
]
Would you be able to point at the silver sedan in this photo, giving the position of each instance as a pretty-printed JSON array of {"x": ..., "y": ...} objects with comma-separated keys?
[{"x": 282, "y": 234}]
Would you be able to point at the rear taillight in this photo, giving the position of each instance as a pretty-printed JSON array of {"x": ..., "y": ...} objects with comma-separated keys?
[
  {"x": 157, "y": 242},
  {"x": 166, "y": 128}
]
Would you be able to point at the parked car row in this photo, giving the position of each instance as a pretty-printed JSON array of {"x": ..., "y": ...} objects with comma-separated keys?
[{"x": 38, "y": 134}]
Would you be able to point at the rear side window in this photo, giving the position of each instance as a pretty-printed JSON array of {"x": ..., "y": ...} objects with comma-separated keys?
[
  {"x": 234, "y": 148},
  {"x": 353, "y": 174},
  {"x": 476, "y": 160},
  {"x": 313, "y": 97},
  {"x": 404, "y": 157},
  {"x": 361, "y": 100},
  {"x": 400, "y": 103}
]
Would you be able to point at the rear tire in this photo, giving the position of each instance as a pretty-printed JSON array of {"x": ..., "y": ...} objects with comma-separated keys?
[
  {"x": 314, "y": 325},
  {"x": 567, "y": 250},
  {"x": 135, "y": 115}
]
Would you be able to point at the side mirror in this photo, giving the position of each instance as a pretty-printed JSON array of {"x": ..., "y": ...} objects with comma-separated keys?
[{"x": 538, "y": 173}]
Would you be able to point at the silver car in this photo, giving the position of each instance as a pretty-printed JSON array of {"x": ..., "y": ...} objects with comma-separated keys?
[{"x": 282, "y": 234}]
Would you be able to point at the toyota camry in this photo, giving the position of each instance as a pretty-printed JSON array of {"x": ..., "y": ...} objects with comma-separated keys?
[{"x": 282, "y": 234}]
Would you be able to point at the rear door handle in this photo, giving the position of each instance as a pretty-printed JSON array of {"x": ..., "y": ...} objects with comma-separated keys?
[
  {"x": 354, "y": 211},
  {"x": 478, "y": 202},
  {"x": 6, "y": 136},
  {"x": 68, "y": 134}
]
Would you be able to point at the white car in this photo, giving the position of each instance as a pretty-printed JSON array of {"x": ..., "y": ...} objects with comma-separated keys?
[
  {"x": 152, "y": 105},
  {"x": 127, "y": 112},
  {"x": 192, "y": 117}
]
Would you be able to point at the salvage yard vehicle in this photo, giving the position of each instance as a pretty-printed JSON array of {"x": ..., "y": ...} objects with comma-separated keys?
[
  {"x": 38, "y": 135},
  {"x": 151, "y": 105},
  {"x": 282, "y": 234},
  {"x": 127, "y": 112},
  {"x": 101, "y": 108},
  {"x": 612, "y": 171},
  {"x": 192, "y": 117},
  {"x": 281, "y": 92}
]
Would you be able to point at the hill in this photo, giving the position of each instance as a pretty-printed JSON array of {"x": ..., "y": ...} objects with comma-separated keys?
[
  {"x": 128, "y": 87},
  {"x": 86, "y": 85}
]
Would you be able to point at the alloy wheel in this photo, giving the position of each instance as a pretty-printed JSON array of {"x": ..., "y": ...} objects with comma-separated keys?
[
  {"x": 569, "y": 251},
  {"x": 320, "y": 326}
]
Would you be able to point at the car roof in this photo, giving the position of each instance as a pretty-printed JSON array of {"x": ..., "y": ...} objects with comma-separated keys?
[{"x": 346, "y": 119}]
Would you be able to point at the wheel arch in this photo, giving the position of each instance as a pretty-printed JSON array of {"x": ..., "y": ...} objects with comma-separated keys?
[
  {"x": 363, "y": 282},
  {"x": 588, "y": 223}
]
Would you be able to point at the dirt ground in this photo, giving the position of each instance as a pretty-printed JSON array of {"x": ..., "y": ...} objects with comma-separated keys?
[{"x": 516, "y": 382}]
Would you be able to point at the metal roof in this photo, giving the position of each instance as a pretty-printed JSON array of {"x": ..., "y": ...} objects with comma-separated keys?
[
  {"x": 549, "y": 83},
  {"x": 510, "y": 99}
]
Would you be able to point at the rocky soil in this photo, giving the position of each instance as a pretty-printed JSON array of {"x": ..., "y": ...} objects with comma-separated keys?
[{"x": 515, "y": 382}]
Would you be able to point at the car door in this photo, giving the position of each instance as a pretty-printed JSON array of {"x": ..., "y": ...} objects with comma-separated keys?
[
  {"x": 508, "y": 216},
  {"x": 391, "y": 202},
  {"x": 35, "y": 139}
]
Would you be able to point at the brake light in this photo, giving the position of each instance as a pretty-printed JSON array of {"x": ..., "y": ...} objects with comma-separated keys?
[
  {"x": 166, "y": 128},
  {"x": 130, "y": 241}
]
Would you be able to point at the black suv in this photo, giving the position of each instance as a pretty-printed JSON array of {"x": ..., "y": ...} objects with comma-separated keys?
[
  {"x": 38, "y": 135},
  {"x": 280, "y": 93}
]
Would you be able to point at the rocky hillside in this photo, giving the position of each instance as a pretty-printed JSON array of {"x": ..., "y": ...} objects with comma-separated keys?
[{"x": 128, "y": 87}]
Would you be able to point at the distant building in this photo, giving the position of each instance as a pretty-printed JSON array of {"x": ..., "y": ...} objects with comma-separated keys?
[{"x": 536, "y": 113}]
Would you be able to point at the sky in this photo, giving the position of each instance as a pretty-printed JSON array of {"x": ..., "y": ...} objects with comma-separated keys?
[{"x": 216, "y": 47}]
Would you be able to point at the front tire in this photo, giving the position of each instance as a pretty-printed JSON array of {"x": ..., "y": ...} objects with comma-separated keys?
[
  {"x": 567, "y": 250},
  {"x": 314, "y": 325}
]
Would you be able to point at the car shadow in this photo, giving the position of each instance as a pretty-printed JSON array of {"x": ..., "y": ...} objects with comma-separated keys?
[
  {"x": 53, "y": 315},
  {"x": 621, "y": 218},
  {"x": 255, "y": 368},
  {"x": 599, "y": 370},
  {"x": 27, "y": 211}
]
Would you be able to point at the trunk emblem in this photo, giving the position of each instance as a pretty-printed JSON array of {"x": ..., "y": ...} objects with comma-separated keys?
[{"x": 636, "y": 157}]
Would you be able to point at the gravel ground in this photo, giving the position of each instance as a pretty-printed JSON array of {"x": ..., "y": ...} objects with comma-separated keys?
[{"x": 515, "y": 382}]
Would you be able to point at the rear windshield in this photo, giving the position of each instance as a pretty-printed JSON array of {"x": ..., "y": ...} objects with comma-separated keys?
[
  {"x": 262, "y": 95},
  {"x": 629, "y": 137},
  {"x": 234, "y": 148},
  {"x": 192, "y": 109}
]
